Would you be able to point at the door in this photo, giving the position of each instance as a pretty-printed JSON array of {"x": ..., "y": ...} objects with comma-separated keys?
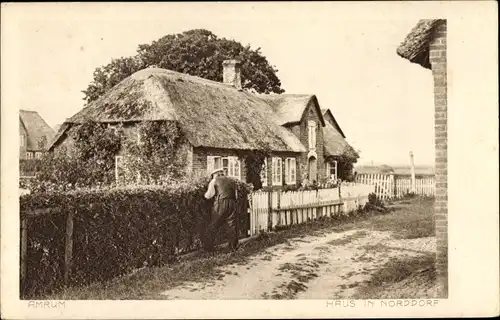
[{"x": 313, "y": 169}]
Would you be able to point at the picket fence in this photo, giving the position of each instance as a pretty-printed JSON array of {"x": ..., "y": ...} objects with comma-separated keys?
[
  {"x": 269, "y": 209},
  {"x": 393, "y": 186}
]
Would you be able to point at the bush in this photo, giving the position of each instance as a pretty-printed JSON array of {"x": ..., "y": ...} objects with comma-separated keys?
[
  {"x": 29, "y": 167},
  {"x": 115, "y": 230},
  {"x": 374, "y": 203}
]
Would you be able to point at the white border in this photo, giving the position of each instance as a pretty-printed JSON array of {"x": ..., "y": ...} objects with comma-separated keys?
[{"x": 472, "y": 166}]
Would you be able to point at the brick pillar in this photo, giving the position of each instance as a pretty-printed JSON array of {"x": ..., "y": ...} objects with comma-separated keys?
[{"x": 437, "y": 57}]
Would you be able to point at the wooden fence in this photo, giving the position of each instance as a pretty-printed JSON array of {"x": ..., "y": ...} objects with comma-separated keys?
[
  {"x": 393, "y": 186},
  {"x": 269, "y": 209},
  {"x": 266, "y": 210}
]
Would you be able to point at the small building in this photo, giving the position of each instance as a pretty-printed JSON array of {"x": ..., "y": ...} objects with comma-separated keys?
[
  {"x": 425, "y": 45},
  {"x": 222, "y": 124},
  {"x": 34, "y": 135}
]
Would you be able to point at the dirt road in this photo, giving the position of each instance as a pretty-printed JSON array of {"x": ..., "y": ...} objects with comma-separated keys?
[{"x": 328, "y": 266}]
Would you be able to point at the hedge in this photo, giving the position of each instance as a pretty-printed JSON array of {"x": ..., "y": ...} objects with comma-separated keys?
[
  {"x": 29, "y": 167},
  {"x": 115, "y": 230}
]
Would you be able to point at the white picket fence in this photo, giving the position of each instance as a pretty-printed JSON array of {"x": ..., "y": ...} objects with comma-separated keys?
[
  {"x": 391, "y": 186},
  {"x": 295, "y": 207}
]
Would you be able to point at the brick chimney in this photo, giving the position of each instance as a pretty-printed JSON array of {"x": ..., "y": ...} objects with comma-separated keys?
[{"x": 231, "y": 73}]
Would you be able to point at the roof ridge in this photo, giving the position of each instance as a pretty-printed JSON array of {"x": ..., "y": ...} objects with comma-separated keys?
[{"x": 154, "y": 71}]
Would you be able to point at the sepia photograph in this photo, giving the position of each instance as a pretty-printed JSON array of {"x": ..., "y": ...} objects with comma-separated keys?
[{"x": 239, "y": 153}]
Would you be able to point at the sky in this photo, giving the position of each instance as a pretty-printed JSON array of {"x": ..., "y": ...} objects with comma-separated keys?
[{"x": 383, "y": 103}]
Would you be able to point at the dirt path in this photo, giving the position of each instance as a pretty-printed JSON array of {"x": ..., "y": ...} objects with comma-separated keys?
[{"x": 314, "y": 267}]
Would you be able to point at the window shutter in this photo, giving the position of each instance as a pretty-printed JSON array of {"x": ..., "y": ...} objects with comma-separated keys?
[
  {"x": 287, "y": 178},
  {"x": 239, "y": 169},
  {"x": 280, "y": 171},
  {"x": 235, "y": 164},
  {"x": 263, "y": 173},
  {"x": 210, "y": 164}
]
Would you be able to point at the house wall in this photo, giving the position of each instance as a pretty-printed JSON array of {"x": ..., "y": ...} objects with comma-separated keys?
[
  {"x": 200, "y": 154},
  {"x": 311, "y": 113},
  {"x": 283, "y": 156},
  {"x": 22, "y": 148},
  {"x": 437, "y": 57},
  {"x": 66, "y": 146},
  {"x": 199, "y": 159}
]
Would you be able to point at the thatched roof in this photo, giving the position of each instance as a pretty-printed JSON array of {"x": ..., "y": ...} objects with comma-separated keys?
[
  {"x": 328, "y": 116},
  {"x": 290, "y": 108},
  {"x": 335, "y": 143},
  {"x": 415, "y": 46},
  {"x": 210, "y": 114},
  {"x": 36, "y": 128}
]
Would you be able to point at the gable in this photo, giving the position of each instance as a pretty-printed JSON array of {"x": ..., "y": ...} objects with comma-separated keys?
[
  {"x": 328, "y": 116},
  {"x": 35, "y": 128},
  {"x": 312, "y": 112}
]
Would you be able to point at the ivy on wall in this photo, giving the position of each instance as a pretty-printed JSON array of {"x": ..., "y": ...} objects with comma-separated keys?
[
  {"x": 151, "y": 153},
  {"x": 156, "y": 155}
]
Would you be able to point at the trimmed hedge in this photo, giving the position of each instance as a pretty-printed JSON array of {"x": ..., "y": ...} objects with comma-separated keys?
[{"x": 115, "y": 230}]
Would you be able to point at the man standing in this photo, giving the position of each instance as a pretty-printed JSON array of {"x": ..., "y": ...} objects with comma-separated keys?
[{"x": 224, "y": 209}]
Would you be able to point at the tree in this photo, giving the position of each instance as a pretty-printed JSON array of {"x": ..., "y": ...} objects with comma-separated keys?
[{"x": 195, "y": 52}]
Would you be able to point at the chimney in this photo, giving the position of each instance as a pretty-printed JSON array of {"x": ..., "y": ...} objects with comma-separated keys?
[{"x": 231, "y": 73}]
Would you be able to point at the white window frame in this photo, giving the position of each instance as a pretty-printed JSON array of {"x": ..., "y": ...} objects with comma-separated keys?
[
  {"x": 329, "y": 169},
  {"x": 312, "y": 134},
  {"x": 263, "y": 173},
  {"x": 29, "y": 155},
  {"x": 290, "y": 163},
  {"x": 233, "y": 168},
  {"x": 277, "y": 171},
  {"x": 38, "y": 155},
  {"x": 117, "y": 160},
  {"x": 21, "y": 140}
]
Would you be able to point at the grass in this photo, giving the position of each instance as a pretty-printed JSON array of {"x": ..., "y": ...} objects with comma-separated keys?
[
  {"x": 410, "y": 221},
  {"x": 414, "y": 219},
  {"x": 411, "y": 277}
]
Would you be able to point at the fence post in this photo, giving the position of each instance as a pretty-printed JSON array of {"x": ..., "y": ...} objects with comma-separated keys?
[
  {"x": 24, "y": 252},
  {"x": 68, "y": 251},
  {"x": 412, "y": 173},
  {"x": 269, "y": 210},
  {"x": 278, "y": 200}
]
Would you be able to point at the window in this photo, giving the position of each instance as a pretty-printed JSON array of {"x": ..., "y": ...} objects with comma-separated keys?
[
  {"x": 263, "y": 174},
  {"x": 29, "y": 155},
  {"x": 38, "y": 155},
  {"x": 21, "y": 140},
  {"x": 312, "y": 134},
  {"x": 277, "y": 172},
  {"x": 331, "y": 170},
  {"x": 290, "y": 171},
  {"x": 231, "y": 165}
]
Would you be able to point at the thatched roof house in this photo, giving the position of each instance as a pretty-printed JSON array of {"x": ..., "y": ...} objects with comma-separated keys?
[
  {"x": 35, "y": 134},
  {"x": 217, "y": 119},
  {"x": 211, "y": 114}
]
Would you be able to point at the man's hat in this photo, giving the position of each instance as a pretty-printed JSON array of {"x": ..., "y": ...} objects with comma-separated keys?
[{"x": 215, "y": 171}]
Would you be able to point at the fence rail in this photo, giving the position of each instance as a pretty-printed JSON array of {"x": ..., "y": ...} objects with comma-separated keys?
[
  {"x": 266, "y": 211},
  {"x": 269, "y": 209},
  {"x": 391, "y": 186}
]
